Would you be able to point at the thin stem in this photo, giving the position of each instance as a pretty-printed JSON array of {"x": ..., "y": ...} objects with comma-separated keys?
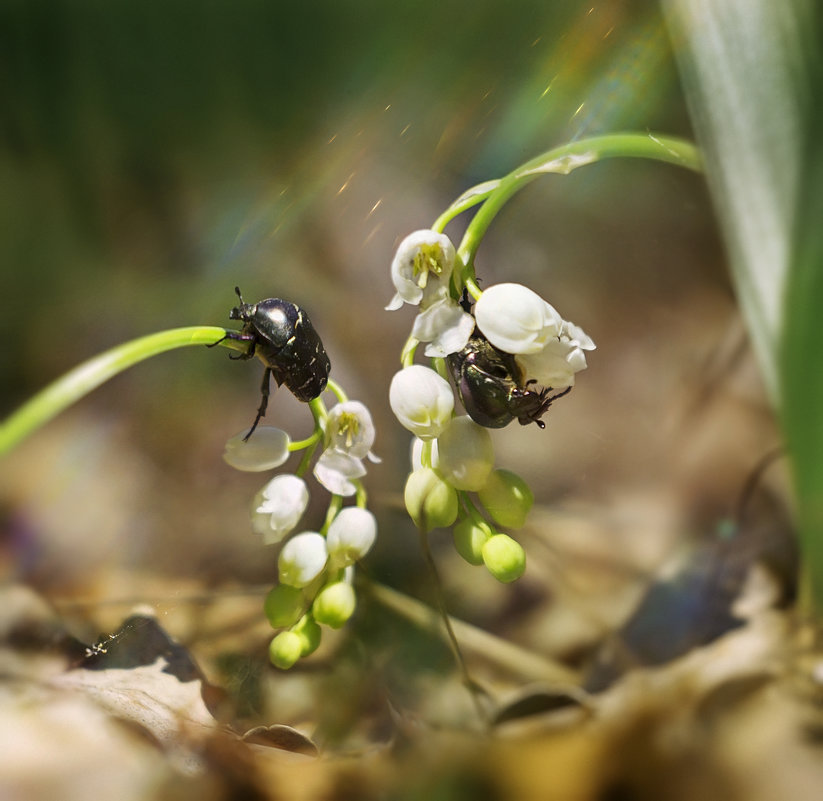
[
  {"x": 515, "y": 660},
  {"x": 471, "y": 509},
  {"x": 439, "y": 366},
  {"x": 337, "y": 390},
  {"x": 305, "y": 461},
  {"x": 300, "y": 444},
  {"x": 89, "y": 375},
  {"x": 335, "y": 505},
  {"x": 562, "y": 160},
  {"x": 407, "y": 356},
  {"x": 474, "y": 689}
]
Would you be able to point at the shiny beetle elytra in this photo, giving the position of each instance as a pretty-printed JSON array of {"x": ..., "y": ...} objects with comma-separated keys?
[
  {"x": 281, "y": 335},
  {"x": 492, "y": 386}
]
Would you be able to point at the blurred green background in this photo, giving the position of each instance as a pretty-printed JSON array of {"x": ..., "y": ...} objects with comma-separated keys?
[{"x": 154, "y": 155}]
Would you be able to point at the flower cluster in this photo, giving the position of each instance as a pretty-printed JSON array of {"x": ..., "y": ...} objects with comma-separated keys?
[
  {"x": 453, "y": 456},
  {"x": 315, "y": 568},
  {"x": 505, "y": 359}
]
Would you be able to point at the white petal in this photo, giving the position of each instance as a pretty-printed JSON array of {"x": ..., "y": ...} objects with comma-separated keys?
[
  {"x": 421, "y": 400},
  {"x": 266, "y": 449},
  {"x": 302, "y": 559},
  {"x": 394, "y": 304},
  {"x": 577, "y": 335},
  {"x": 280, "y": 504},
  {"x": 351, "y": 535},
  {"x": 335, "y": 471},
  {"x": 515, "y": 319},
  {"x": 555, "y": 366},
  {"x": 445, "y": 325}
]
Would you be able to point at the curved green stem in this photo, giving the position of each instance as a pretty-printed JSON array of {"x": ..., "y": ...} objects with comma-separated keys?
[
  {"x": 300, "y": 444},
  {"x": 560, "y": 160},
  {"x": 337, "y": 390},
  {"x": 89, "y": 375},
  {"x": 361, "y": 498},
  {"x": 407, "y": 356},
  {"x": 512, "y": 658},
  {"x": 335, "y": 505}
]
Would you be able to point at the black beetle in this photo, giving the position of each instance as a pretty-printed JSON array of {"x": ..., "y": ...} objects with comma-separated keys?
[
  {"x": 492, "y": 386},
  {"x": 281, "y": 335}
]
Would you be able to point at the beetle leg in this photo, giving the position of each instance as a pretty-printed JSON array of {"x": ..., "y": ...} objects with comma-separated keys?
[
  {"x": 553, "y": 398},
  {"x": 238, "y": 337},
  {"x": 265, "y": 389}
]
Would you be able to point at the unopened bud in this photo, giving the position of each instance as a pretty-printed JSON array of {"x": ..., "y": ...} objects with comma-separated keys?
[
  {"x": 285, "y": 649},
  {"x": 504, "y": 558},
  {"x": 469, "y": 538},
  {"x": 334, "y": 604},
  {"x": 309, "y": 633},
  {"x": 507, "y": 498},
  {"x": 430, "y": 501},
  {"x": 283, "y": 605}
]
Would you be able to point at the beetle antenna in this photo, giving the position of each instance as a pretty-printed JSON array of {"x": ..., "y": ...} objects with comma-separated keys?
[{"x": 237, "y": 292}]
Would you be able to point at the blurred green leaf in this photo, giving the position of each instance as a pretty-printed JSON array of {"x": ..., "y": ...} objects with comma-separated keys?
[
  {"x": 743, "y": 71},
  {"x": 751, "y": 70}
]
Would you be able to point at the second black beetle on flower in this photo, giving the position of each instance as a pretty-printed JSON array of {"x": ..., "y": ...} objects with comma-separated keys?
[
  {"x": 281, "y": 335},
  {"x": 493, "y": 388}
]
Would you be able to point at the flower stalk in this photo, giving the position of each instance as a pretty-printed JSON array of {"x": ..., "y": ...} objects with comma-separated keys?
[{"x": 89, "y": 375}]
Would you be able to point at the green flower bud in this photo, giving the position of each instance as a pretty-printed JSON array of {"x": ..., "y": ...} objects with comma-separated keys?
[
  {"x": 465, "y": 453},
  {"x": 285, "y": 649},
  {"x": 334, "y": 604},
  {"x": 507, "y": 498},
  {"x": 469, "y": 539},
  {"x": 430, "y": 501},
  {"x": 283, "y": 605},
  {"x": 504, "y": 558},
  {"x": 309, "y": 633}
]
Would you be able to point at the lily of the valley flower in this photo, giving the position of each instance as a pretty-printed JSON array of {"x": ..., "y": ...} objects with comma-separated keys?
[
  {"x": 515, "y": 319},
  {"x": 421, "y": 400},
  {"x": 421, "y": 272},
  {"x": 349, "y": 435},
  {"x": 337, "y": 472},
  {"x": 302, "y": 559},
  {"x": 445, "y": 326},
  {"x": 421, "y": 269},
  {"x": 279, "y": 506},
  {"x": 549, "y": 349},
  {"x": 267, "y": 449},
  {"x": 350, "y": 429},
  {"x": 351, "y": 535}
]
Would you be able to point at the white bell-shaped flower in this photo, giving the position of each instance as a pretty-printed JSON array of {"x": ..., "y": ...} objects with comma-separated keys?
[
  {"x": 279, "y": 506},
  {"x": 302, "y": 559},
  {"x": 351, "y": 535},
  {"x": 466, "y": 454},
  {"x": 421, "y": 400},
  {"x": 266, "y": 449},
  {"x": 421, "y": 269},
  {"x": 349, "y": 428},
  {"x": 336, "y": 471},
  {"x": 515, "y": 319},
  {"x": 445, "y": 326}
]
